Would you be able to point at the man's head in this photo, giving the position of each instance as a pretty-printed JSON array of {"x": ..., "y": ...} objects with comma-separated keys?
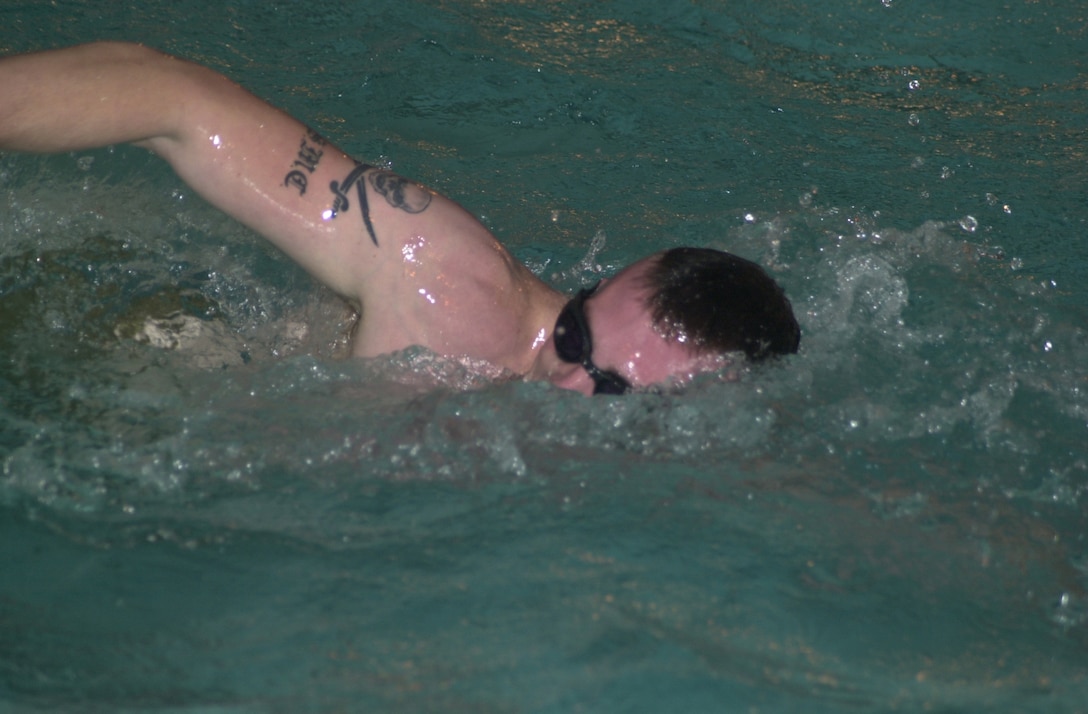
[
  {"x": 669, "y": 316},
  {"x": 718, "y": 302}
]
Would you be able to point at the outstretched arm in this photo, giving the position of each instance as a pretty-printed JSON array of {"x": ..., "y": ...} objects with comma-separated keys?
[
  {"x": 249, "y": 159},
  {"x": 424, "y": 270}
]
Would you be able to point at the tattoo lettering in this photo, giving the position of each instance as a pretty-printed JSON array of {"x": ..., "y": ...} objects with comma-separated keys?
[
  {"x": 296, "y": 179},
  {"x": 340, "y": 201},
  {"x": 309, "y": 154}
]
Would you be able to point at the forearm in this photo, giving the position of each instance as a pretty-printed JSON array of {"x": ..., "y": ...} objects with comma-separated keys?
[{"x": 87, "y": 96}]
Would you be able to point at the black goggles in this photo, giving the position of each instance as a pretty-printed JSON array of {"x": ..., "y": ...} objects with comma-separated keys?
[{"x": 574, "y": 345}]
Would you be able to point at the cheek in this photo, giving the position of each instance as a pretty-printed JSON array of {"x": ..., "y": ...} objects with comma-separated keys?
[
  {"x": 638, "y": 368},
  {"x": 648, "y": 361},
  {"x": 660, "y": 361}
]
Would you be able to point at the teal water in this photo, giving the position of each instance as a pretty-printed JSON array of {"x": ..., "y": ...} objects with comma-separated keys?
[{"x": 204, "y": 508}]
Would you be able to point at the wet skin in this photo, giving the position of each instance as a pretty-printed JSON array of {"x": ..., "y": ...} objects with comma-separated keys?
[{"x": 421, "y": 270}]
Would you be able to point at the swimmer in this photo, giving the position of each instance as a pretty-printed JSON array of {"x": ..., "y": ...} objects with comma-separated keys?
[{"x": 420, "y": 269}]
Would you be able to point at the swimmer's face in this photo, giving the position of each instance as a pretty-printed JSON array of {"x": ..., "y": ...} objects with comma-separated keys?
[
  {"x": 573, "y": 342},
  {"x": 628, "y": 350}
]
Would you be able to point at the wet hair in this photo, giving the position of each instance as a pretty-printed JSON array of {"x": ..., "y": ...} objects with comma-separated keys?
[{"x": 719, "y": 302}]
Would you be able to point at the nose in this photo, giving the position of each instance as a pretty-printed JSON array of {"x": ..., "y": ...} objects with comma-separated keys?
[{"x": 572, "y": 377}]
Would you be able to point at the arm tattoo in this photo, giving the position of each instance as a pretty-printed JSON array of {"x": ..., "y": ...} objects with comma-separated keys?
[
  {"x": 309, "y": 155},
  {"x": 340, "y": 201},
  {"x": 398, "y": 192}
]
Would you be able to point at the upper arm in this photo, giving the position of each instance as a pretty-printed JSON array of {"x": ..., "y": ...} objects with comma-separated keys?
[
  {"x": 346, "y": 223},
  {"x": 272, "y": 173}
]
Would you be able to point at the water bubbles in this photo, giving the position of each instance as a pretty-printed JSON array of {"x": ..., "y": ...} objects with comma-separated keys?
[
  {"x": 1069, "y": 611},
  {"x": 886, "y": 3},
  {"x": 917, "y": 162},
  {"x": 947, "y": 172},
  {"x": 914, "y": 119},
  {"x": 913, "y": 85},
  {"x": 969, "y": 224},
  {"x": 992, "y": 200}
]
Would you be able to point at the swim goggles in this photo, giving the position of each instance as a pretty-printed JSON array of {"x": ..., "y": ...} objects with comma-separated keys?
[{"x": 574, "y": 345}]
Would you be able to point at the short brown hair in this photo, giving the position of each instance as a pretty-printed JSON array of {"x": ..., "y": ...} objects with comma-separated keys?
[{"x": 720, "y": 302}]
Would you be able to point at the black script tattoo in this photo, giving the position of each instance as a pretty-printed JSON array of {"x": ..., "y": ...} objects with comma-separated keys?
[
  {"x": 400, "y": 192},
  {"x": 310, "y": 151},
  {"x": 340, "y": 202}
]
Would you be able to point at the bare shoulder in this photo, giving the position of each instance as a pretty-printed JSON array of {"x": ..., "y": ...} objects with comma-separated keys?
[{"x": 452, "y": 287}]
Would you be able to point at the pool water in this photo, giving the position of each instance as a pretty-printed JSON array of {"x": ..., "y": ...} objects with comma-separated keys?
[{"x": 205, "y": 507}]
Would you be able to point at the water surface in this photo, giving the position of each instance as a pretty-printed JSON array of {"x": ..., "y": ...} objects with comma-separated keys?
[{"x": 205, "y": 507}]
